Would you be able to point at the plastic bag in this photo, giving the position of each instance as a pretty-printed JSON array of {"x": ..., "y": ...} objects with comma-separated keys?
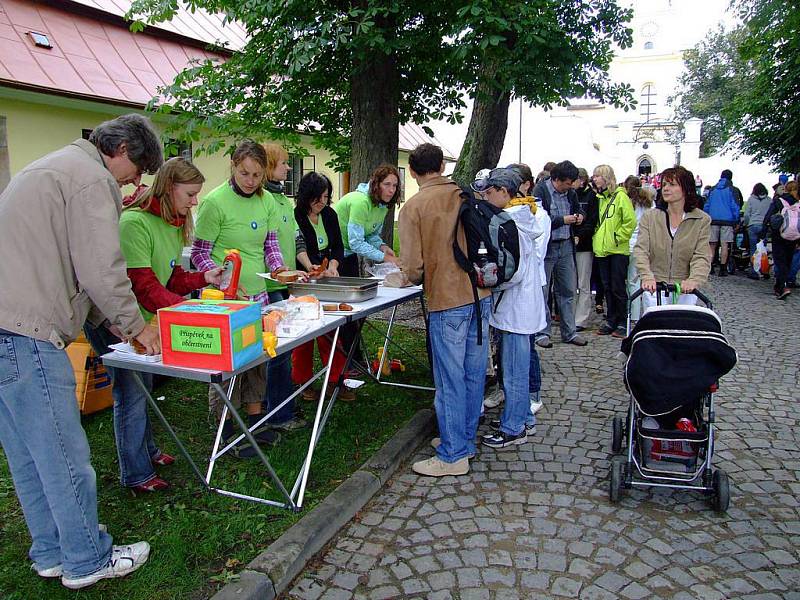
[
  {"x": 760, "y": 259},
  {"x": 381, "y": 270}
]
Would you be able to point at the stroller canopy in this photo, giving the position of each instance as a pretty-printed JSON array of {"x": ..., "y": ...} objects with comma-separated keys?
[{"x": 675, "y": 353}]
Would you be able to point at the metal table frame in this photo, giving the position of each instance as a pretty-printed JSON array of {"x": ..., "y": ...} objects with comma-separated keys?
[{"x": 293, "y": 499}]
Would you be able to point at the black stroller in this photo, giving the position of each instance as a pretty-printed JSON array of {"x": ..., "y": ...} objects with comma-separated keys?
[{"x": 676, "y": 355}]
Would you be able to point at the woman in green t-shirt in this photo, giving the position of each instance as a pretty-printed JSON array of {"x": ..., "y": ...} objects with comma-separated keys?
[
  {"x": 241, "y": 214},
  {"x": 153, "y": 231},
  {"x": 361, "y": 214}
]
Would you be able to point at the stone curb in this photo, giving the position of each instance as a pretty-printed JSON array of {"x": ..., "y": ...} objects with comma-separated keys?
[{"x": 271, "y": 572}]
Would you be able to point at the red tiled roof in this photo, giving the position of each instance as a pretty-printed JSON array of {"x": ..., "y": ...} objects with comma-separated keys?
[
  {"x": 199, "y": 24},
  {"x": 90, "y": 58},
  {"x": 95, "y": 55}
]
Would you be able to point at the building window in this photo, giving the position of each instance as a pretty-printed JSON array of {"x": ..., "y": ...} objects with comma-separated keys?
[
  {"x": 645, "y": 166},
  {"x": 647, "y": 102},
  {"x": 298, "y": 166},
  {"x": 648, "y": 45},
  {"x": 180, "y": 148},
  {"x": 402, "y": 196}
]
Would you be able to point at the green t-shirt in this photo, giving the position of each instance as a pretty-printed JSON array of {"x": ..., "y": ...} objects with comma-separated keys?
[
  {"x": 357, "y": 208},
  {"x": 148, "y": 241},
  {"x": 230, "y": 221},
  {"x": 319, "y": 231},
  {"x": 281, "y": 219}
]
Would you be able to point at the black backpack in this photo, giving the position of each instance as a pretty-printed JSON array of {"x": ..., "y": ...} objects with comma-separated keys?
[{"x": 487, "y": 224}]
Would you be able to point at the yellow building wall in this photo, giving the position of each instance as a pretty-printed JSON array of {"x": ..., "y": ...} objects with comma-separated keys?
[{"x": 39, "y": 123}]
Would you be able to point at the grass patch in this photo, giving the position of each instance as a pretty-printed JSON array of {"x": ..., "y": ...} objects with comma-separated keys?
[{"x": 200, "y": 541}]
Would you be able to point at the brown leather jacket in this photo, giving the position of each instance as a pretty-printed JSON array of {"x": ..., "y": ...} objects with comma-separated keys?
[{"x": 426, "y": 226}]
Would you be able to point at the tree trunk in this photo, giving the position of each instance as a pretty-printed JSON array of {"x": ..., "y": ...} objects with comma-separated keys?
[
  {"x": 485, "y": 135},
  {"x": 374, "y": 97}
]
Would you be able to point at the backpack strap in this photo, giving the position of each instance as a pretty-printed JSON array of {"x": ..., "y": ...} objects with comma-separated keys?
[{"x": 463, "y": 262}]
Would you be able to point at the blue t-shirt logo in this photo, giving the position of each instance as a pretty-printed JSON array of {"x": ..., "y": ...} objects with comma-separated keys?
[
  {"x": 320, "y": 240},
  {"x": 254, "y": 225},
  {"x": 172, "y": 264},
  {"x": 285, "y": 219}
]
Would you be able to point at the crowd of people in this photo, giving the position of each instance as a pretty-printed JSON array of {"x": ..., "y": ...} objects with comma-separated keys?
[{"x": 105, "y": 265}]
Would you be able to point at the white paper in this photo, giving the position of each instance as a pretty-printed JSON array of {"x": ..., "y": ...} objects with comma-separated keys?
[{"x": 131, "y": 354}]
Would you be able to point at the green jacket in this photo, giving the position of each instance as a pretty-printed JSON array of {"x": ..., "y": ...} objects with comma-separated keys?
[{"x": 615, "y": 224}]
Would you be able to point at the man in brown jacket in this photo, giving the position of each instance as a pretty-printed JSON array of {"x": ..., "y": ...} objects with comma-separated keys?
[
  {"x": 427, "y": 228},
  {"x": 59, "y": 239}
]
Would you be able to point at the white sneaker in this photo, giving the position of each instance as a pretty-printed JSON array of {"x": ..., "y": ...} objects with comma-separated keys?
[
  {"x": 123, "y": 560},
  {"x": 493, "y": 400},
  {"x": 58, "y": 570},
  {"x": 536, "y": 407}
]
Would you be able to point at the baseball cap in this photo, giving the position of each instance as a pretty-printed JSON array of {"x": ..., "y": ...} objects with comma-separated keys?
[{"x": 500, "y": 178}]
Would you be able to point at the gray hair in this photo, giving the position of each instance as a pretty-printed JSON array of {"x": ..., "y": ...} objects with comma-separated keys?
[{"x": 137, "y": 132}]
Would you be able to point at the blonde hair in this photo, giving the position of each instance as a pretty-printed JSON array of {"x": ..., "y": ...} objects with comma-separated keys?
[
  {"x": 275, "y": 154},
  {"x": 175, "y": 170},
  {"x": 607, "y": 173}
]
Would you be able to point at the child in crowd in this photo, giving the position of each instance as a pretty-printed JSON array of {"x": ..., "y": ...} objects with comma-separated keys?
[{"x": 518, "y": 308}]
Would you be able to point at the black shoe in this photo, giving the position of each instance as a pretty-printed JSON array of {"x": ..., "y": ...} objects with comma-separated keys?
[
  {"x": 605, "y": 329},
  {"x": 620, "y": 333},
  {"x": 723, "y": 271},
  {"x": 580, "y": 328},
  {"x": 498, "y": 439},
  {"x": 495, "y": 424},
  {"x": 544, "y": 342},
  {"x": 783, "y": 294}
]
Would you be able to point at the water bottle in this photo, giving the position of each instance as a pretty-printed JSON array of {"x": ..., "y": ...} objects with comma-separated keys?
[{"x": 486, "y": 270}]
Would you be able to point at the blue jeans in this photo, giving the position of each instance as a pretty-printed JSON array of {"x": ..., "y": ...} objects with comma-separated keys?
[
  {"x": 459, "y": 374},
  {"x": 279, "y": 379},
  {"x": 516, "y": 357},
  {"x": 48, "y": 455},
  {"x": 795, "y": 267},
  {"x": 134, "y": 436},
  {"x": 559, "y": 265},
  {"x": 753, "y": 233},
  {"x": 534, "y": 380}
]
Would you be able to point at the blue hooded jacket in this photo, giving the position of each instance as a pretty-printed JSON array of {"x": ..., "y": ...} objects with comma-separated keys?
[{"x": 721, "y": 204}]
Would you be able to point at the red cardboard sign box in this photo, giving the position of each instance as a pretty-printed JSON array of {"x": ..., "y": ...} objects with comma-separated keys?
[{"x": 220, "y": 335}]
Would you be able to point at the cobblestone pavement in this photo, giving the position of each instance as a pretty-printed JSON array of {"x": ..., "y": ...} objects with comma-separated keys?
[{"x": 534, "y": 521}]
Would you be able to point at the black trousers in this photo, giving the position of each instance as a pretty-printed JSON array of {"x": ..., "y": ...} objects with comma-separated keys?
[
  {"x": 349, "y": 333},
  {"x": 613, "y": 273},
  {"x": 782, "y": 253}
]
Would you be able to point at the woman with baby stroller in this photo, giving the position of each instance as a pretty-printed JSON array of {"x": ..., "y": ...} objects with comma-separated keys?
[{"x": 676, "y": 355}]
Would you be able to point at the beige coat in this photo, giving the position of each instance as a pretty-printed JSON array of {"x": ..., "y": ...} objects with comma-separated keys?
[
  {"x": 427, "y": 226},
  {"x": 59, "y": 242},
  {"x": 658, "y": 256}
]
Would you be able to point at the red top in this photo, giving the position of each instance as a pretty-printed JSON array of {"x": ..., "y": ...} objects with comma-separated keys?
[{"x": 149, "y": 291}]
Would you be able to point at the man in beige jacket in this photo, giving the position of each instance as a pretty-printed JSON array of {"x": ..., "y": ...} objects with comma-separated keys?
[
  {"x": 427, "y": 228},
  {"x": 59, "y": 239}
]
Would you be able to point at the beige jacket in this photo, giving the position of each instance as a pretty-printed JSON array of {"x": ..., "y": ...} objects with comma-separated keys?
[
  {"x": 427, "y": 226},
  {"x": 59, "y": 242},
  {"x": 659, "y": 256}
]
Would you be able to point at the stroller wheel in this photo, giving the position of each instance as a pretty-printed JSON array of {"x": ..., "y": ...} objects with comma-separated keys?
[
  {"x": 722, "y": 493},
  {"x": 617, "y": 477},
  {"x": 617, "y": 433}
]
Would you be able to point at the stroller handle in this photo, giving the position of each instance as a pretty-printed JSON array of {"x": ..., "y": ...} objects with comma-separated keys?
[{"x": 668, "y": 288}]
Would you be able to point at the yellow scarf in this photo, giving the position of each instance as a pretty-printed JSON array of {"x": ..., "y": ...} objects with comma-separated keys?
[{"x": 527, "y": 201}]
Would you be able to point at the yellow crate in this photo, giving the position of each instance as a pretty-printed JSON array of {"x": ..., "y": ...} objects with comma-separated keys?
[{"x": 92, "y": 381}]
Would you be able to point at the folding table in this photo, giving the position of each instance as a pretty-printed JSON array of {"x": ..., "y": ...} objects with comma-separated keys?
[{"x": 331, "y": 324}]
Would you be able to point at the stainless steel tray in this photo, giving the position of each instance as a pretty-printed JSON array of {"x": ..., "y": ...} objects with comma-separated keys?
[{"x": 337, "y": 289}]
